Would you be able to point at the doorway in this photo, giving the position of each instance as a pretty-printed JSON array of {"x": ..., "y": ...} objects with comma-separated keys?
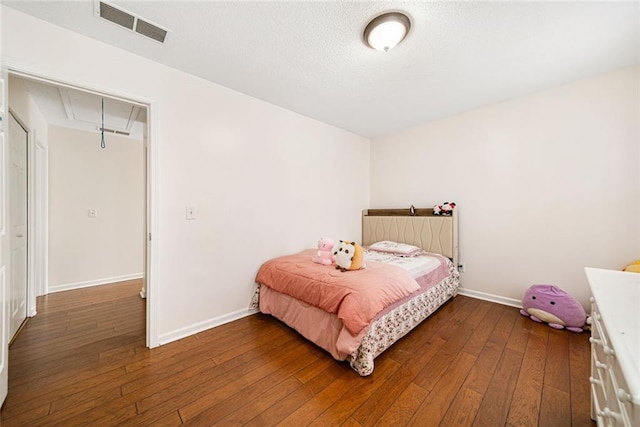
[
  {"x": 18, "y": 143},
  {"x": 39, "y": 255}
]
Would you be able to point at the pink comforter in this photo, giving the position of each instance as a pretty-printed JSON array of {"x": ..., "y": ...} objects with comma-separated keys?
[{"x": 355, "y": 296}]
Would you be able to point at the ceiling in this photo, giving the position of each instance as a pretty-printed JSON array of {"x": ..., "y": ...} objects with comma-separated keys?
[
  {"x": 70, "y": 108},
  {"x": 308, "y": 56}
]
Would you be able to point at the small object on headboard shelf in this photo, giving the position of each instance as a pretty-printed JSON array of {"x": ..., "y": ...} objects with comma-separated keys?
[
  {"x": 412, "y": 210},
  {"x": 445, "y": 209}
]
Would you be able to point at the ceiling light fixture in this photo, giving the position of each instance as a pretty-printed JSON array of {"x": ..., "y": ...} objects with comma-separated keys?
[{"x": 384, "y": 32}]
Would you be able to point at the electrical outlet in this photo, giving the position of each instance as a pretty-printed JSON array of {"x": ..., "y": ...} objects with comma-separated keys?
[
  {"x": 462, "y": 267},
  {"x": 190, "y": 212}
]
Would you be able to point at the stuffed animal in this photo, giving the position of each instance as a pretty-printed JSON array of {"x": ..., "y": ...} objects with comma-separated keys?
[
  {"x": 552, "y": 305},
  {"x": 349, "y": 256},
  {"x": 633, "y": 268},
  {"x": 323, "y": 254},
  {"x": 445, "y": 209}
]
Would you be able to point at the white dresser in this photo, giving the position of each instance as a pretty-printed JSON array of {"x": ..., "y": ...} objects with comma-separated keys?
[{"x": 615, "y": 347}]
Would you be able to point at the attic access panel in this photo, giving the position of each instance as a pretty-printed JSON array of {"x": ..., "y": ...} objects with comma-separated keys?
[{"x": 119, "y": 116}]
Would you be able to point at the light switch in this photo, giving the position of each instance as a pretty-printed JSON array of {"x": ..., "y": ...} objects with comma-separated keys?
[
  {"x": 191, "y": 212},
  {"x": 93, "y": 213}
]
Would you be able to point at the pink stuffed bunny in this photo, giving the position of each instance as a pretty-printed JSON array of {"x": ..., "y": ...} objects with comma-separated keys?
[{"x": 323, "y": 254}]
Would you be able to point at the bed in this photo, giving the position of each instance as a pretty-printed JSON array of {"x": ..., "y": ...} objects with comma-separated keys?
[{"x": 433, "y": 274}]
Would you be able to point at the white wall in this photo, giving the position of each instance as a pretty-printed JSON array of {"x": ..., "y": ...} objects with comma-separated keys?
[
  {"x": 84, "y": 250},
  {"x": 264, "y": 181},
  {"x": 546, "y": 184}
]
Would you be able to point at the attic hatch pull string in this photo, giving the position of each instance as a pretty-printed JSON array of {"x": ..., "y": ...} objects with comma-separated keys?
[{"x": 102, "y": 145}]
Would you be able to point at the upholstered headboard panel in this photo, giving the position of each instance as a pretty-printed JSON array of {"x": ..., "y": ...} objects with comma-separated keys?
[{"x": 433, "y": 233}]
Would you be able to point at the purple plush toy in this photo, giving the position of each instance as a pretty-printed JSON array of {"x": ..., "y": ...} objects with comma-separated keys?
[{"x": 552, "y": 305}]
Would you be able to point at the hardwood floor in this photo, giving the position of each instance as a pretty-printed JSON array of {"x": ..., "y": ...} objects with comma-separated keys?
[{"x": 82, "y": 361}]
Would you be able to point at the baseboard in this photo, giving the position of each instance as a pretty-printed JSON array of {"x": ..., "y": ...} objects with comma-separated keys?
[
  {"x": 203, "y": 326},
  {"x": 490, "y": 297},
  {"x": 230, "y": 317},
  {"x": 88, "y": 283}
]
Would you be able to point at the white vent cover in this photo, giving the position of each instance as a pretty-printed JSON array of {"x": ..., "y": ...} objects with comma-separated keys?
[
  {"x": 113, "y": 131},
  {"x": 129, "y": 21}
]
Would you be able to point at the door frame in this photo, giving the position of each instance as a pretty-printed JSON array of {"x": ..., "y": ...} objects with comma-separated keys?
[
  {"x": 151, "y": 200},
  {"x": 30, "y": 293}
]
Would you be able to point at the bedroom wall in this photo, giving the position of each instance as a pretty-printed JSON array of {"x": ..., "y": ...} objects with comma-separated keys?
[
  {"x": 546, "y": 184},
  {"x": 262, "y": 179},
  {"x": 85, "y": 250}
]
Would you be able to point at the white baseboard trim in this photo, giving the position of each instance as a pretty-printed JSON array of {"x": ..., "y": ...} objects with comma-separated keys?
[
  {"x": 203, "y": 326},
  {"x": 88, "y": 283},
  {"x": 490, "y": 297},
  {"x": 230, "y": 317}
]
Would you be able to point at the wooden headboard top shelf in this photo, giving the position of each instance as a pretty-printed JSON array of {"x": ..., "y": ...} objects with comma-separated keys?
[{"x": 399, "y": 212}]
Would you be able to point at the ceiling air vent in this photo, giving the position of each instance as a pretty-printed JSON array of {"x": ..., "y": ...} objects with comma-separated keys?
[
  {"x": 129, "y": 21},
  {"x": 151, "y": 31},
  {"x": 117, "y": 16}
]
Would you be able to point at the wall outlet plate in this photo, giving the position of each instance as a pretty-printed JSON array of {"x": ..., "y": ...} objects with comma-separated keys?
[
  {"x": 462, "y": 267},
  {"x": 190, "y": 212}
]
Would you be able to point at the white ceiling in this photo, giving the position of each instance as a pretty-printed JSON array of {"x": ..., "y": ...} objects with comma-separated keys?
[{"x": 308, "y": 56}]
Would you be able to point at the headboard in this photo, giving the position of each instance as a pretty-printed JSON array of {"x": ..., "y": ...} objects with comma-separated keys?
[{"x": 433, "y": 233}]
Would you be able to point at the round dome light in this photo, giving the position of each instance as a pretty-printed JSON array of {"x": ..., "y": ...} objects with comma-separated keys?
[{"x": 387, "y": 30}]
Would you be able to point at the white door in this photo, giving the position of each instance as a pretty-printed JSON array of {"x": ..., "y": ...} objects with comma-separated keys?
[
  {"x": 4, "y": 243},
  {"x": 18, "y": 227}
]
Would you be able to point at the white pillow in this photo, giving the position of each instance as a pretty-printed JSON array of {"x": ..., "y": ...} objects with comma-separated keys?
[{"x": 401, "y": 249}]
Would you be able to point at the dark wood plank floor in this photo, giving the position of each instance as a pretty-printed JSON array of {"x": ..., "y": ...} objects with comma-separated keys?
[{"x": 82, "y": 361}]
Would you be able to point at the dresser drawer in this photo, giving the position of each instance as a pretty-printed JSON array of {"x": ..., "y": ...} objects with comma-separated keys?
[
  {"x": 598, "y": 331},
  {"x": 597, "y": 398},
  {"x": 606, "y": 407},
  {"x": 615, "y": 341},
  {"x": 619, "y": 387}
]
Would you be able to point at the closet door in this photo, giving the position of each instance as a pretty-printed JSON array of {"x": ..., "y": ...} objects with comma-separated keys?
[
  {"x": 4, "y": 241},
  {"x": 17, "y": 228}
]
